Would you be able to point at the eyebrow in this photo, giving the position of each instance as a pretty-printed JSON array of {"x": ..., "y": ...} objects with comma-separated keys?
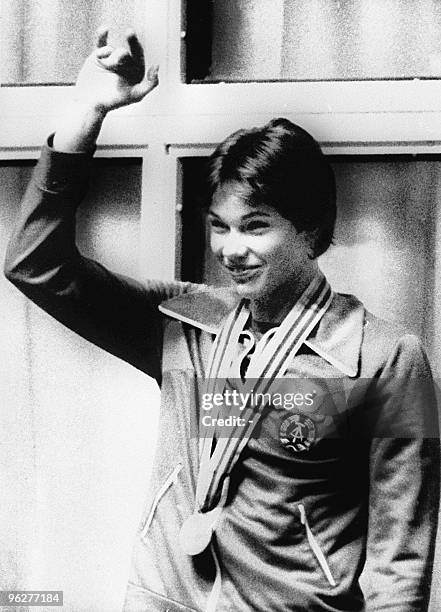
[{"x": 250, "y": 215}]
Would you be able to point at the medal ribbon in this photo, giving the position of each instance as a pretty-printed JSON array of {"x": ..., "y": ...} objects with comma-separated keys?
[{"x": 271, "y": 358}]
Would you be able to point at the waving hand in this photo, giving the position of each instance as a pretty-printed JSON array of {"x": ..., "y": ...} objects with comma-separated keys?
[
  {"x": 113, "y": 77},
  {"x": 109, "y": 78}
]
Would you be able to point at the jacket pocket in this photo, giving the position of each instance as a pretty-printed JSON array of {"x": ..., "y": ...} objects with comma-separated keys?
[
  {"x": 315, "y": 546},
  {"x": 169, "y": 481}
]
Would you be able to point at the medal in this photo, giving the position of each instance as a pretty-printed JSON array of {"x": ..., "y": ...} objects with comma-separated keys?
[
  {"x": 195, "y": 534},
  {"x": 273, "y": 353}
]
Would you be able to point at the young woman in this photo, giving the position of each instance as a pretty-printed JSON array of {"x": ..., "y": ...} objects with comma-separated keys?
[{"x": 255, "y": 504}]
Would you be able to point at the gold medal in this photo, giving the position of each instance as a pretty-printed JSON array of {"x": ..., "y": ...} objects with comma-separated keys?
[{"x": 195, "y": 534}]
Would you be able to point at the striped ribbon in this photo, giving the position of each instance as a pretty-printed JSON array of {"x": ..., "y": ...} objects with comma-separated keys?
[{"x": 272, "y": 356}]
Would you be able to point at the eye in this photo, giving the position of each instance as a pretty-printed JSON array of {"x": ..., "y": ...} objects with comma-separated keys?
[
  {"x": 217, "y": 226},
  {"x": 257, "y": 226}
]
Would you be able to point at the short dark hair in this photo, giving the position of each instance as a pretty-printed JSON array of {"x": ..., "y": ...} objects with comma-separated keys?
[{"x": 285, "y": 168}]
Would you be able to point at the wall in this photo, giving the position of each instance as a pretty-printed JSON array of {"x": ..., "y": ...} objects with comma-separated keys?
[{"x": 77, "y": 425}]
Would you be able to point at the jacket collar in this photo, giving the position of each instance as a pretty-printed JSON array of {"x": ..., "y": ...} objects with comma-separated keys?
[{"x": 337, "y": 338}]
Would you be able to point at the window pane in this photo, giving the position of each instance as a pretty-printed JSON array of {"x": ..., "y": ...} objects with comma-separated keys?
[
  {"x": 322, "y": 39},
  {"x": 46, "y": 41},
  {"x": 384, "y": 240},
  {"x": 109, "y": 219}
]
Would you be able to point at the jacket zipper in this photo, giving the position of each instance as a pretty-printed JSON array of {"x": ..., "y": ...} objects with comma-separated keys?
[
  {"x": 315, "y": 546},
  {"x": 171, "y": 479}
]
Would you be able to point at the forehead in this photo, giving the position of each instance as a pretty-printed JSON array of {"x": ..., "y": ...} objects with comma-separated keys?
[{"x": 234, "y": 198}]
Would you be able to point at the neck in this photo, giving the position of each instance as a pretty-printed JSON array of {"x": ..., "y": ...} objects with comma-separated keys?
[{"x": 275, "y": 306}]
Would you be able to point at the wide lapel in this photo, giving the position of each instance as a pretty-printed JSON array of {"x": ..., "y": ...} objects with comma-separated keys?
[{"x": 337, "y": 338}]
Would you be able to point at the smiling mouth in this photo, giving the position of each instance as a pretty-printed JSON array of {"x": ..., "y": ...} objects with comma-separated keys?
[{"x": 242, "y": 274}]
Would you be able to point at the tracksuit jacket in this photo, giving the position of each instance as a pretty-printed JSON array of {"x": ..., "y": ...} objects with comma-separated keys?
[{"x": 363, "y": 501}]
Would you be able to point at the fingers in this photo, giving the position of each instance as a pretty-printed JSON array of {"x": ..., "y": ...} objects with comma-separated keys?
[
  {"x": 120, "y": 57},
  {"x": 102, "y": 34},
  {"x": 152, "y": 73},
  {"x": 150, "y": 81},
  {"x": 103, "y": 52},
  {"x": 119, "y": 61}
]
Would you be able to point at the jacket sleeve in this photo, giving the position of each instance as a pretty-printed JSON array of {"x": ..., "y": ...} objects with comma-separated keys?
[
  {"x": 116, "y": 313},
  {"x": 401, "y": 418}
]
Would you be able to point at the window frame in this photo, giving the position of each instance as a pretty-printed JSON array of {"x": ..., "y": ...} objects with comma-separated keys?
[
  {"x": 353, "y": 113},
  {"x": 179, "y": 119}
]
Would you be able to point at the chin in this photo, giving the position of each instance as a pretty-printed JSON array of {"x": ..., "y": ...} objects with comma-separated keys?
[{"x": 249, "y": 290}]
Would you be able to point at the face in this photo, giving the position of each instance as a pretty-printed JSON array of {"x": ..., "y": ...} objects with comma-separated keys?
[{"x": 261, "y": 251}]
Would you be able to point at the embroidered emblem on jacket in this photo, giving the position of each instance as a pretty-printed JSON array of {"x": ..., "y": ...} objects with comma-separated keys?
[{"x": 297, "y": 433}]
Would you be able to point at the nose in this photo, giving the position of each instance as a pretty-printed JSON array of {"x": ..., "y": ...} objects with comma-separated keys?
[{"x": 234, "y": 247}]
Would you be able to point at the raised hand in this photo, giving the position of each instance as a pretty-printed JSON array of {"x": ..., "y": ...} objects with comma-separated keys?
[
  {"x": 109, "y": 78},
  {"x": 114, "y": 77}
]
